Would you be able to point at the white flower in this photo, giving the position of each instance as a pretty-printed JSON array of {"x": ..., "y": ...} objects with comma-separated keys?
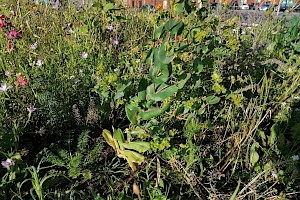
[
  {"x": 297, "y": 98},
  {"x": 295, "y": 157},
  {"x": 84, "y": 55},
  {"x": 33, "y": 46},
  {"x": 275, "y": 175},
  {"x": 39, "y": 63},
  {"x": 70, "y": 31},
  {"x": 4, "y": 87}
]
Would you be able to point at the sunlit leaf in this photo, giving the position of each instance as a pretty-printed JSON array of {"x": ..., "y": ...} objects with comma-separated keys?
[
  {"x": 118, "y": 135},
  {"x": 140, "y": 147},
  {"x": 109, "y": 139}
]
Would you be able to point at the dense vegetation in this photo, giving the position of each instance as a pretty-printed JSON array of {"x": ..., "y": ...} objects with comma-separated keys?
[{"x": 103, "y": 102}]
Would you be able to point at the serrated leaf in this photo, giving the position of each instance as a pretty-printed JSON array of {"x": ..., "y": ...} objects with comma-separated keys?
[
  {"x": 140, "y": 147},
  {"x": 212, "y": 100}
]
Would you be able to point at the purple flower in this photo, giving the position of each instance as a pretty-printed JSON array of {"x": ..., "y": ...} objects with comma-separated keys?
[
  {"x": 84, "y": 55},
  {"x": 110, "y": 28},
  {"x": 7, "y": 73},
  {"x": 31, "y": 109},
  {"x": 7, "y": 163},
  {"x": 4, "y": 87},
  {"x": 115, "y": 41}
]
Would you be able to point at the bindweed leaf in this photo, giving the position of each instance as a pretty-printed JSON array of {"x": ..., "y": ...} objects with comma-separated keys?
[
  {"x": 162, "y": 56},
  {"x": 151, "y": 113},
  {"x": 154, "y": 112},
  {"x": 159, "y": 74},
  {"x": 161, "y": 93}
]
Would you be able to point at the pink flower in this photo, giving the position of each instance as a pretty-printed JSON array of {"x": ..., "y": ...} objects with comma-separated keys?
[
  {"x": 13, "y": 34},
  {"x": 22, "y": 80},
  {"x": 2, "y": 23}
]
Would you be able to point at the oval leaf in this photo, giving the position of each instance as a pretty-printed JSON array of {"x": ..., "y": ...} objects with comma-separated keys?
[
  {"x": 140, "y": 147},
  {"x": 151, "y": 113},
  {"x": 161, "y": 93},
  {"x": 212, "y": 100}
]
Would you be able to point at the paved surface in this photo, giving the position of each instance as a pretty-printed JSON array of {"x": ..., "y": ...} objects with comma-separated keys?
[{"x": 256, "y": 16}]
